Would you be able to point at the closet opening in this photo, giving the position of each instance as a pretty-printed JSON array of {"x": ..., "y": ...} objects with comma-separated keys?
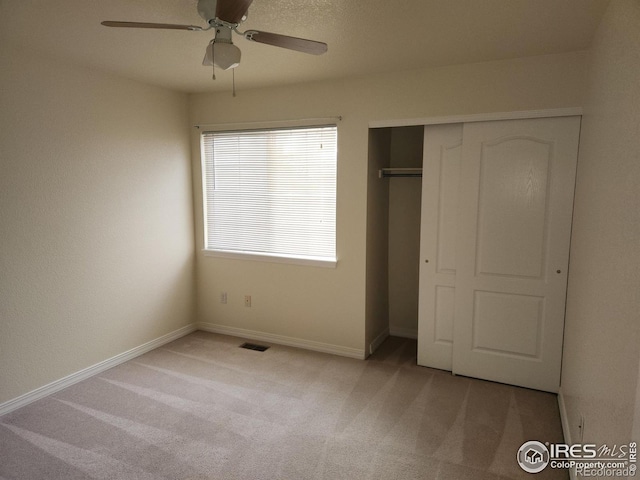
[
  {"x": 393, "y": 233},
  {"x": 478, "y": 250}
]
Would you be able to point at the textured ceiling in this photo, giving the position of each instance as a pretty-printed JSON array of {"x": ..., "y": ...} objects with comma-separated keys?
[{"x": 365, "y": 37}]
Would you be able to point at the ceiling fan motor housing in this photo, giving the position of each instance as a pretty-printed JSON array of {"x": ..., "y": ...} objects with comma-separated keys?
[{"x": 207, "y": 9}]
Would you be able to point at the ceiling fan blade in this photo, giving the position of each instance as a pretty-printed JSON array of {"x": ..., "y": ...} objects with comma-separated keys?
[
  {"x": 232, "y": 11},
  {"x": 166, "y": 26},
  {"x": 284, "y": 41}
]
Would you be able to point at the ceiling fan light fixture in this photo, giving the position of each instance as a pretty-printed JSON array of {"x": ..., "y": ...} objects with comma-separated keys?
[{"x": 223, "y": 55}]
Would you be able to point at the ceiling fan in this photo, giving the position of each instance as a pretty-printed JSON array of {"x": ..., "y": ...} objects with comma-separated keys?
[{"x": 225, "y": 16}]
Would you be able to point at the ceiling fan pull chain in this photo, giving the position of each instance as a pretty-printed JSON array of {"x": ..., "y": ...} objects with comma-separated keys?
[{"x": 233, "y": 73}]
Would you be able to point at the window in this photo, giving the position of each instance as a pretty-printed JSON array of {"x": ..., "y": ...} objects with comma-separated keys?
[{"x": 271, "y": 193}]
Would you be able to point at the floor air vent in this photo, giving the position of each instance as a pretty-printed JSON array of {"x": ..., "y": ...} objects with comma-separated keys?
[{"x": 253, "y": 346}]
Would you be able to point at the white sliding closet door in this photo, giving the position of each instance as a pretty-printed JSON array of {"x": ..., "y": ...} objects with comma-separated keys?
[
  {"x": 514, "y": 224},
  {"x": 512, "y": 233},
  {"x": 440, "y": 176}
]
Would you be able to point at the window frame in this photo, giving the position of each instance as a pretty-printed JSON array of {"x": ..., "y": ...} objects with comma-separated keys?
[{"x": 264, "y": 256}]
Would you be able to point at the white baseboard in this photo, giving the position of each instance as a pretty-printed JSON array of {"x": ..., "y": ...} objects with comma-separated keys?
[
  {"x": 282, "y": 340},
  {"x": 566, "y": 432},
  {"x": 403, "y": 332},
  {"x": 85, "y": 373},
  {"x": 378, "y": 340}
]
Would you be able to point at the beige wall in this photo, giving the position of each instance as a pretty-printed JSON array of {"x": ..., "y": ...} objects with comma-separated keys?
[
  {"x": 328, "y": 305},
  {"x": 96, "y": 230},
  {"x": 602, "y": 341}
]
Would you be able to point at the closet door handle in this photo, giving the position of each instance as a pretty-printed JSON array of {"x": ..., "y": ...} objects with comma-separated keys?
[{"x": 426, "y": 261}]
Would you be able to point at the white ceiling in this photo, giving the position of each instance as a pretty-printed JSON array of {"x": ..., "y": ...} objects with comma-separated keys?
[{"x": 364, "y": 37}]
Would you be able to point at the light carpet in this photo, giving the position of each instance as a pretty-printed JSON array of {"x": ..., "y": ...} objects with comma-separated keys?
[{"x": 202, "y": 408}]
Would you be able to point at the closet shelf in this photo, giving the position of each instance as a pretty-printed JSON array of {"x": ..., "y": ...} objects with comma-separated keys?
[{"x": 399, "y": 172}]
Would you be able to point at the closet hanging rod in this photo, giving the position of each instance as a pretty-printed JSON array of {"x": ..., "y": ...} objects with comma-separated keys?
[{"x": 399, "y": 172}]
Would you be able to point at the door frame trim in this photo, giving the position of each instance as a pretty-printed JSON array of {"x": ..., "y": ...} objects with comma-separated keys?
[{"x": 478, "y": 117}]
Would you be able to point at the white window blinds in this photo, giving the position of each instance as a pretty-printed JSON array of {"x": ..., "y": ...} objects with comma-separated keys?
[{"x": 271, "y": 192}]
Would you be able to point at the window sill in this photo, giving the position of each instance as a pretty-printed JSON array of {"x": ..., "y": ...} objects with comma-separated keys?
[{"x": 259, "y": 257}]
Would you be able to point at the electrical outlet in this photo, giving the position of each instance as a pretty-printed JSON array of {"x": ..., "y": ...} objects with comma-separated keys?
[
  {"x": 223, "y": 297},
  {"x": 247, "y": 300}
]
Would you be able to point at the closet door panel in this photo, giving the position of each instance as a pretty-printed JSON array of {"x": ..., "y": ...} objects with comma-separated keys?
[
  {"x": 513, "y": 229},
  {"x": 440, "y": 176},
  {"x": 512, "y": 207}
]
